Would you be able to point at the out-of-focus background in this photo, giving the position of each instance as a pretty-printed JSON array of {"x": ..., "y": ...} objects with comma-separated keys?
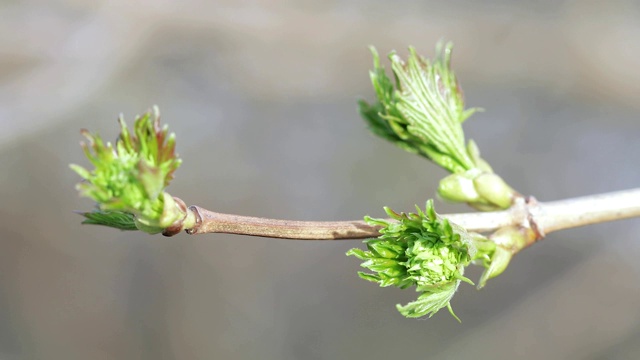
[{"x": 262, "y": 96}]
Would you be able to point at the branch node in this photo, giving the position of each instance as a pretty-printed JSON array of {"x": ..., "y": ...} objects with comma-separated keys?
[{"x": 533, "y": 207}]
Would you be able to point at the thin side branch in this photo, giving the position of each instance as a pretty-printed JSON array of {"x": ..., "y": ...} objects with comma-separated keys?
[
  {"x": 543, "y": 218},
  {"x": 213, "y": 222}
]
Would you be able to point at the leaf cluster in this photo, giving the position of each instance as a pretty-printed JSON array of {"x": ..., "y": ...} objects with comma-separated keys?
[
  {"x": 418, "y": 249},
  {"x": 422, "y": 111},
  {"x": 130, "y": 176}
]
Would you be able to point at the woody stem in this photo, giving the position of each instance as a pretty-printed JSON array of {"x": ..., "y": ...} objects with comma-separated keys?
[{"x": 544, "y": 217}]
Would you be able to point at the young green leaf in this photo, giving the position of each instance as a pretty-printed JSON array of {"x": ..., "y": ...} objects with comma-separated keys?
[{"x": 115, "y": 219}]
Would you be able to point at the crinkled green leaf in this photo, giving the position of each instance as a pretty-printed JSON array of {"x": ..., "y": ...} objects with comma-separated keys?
[{"x": 429, "y": 302}]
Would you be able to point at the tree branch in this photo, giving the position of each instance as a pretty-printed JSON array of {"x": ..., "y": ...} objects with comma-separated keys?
[
  {"x": 581, "y": 211},
  {"x": 543, "y": 218},
  {"x": 213, "y": 222}
]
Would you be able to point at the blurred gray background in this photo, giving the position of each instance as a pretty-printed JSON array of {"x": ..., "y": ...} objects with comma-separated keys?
[{"x": 262, "y": 96}]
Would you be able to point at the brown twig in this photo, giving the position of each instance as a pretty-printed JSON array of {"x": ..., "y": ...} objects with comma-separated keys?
[
  {"x": 542, "y": 218},
  {"x": 213, "y": 222}
]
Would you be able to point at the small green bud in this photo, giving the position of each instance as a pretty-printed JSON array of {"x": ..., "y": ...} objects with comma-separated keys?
[
  {"x": 458, "y": 188},
  {"x": 494, "y": 190},
  {"x": 512, "y": 238},
  {"x": 482, "y": 190}
]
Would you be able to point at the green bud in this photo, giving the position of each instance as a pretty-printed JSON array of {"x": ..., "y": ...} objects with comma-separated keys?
[
  {"x": 458, "y": 188},
  {"x": 494, "y": 190},
  {"x": 482, "y": 190},
  {"x": 512, "y": 238}
]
